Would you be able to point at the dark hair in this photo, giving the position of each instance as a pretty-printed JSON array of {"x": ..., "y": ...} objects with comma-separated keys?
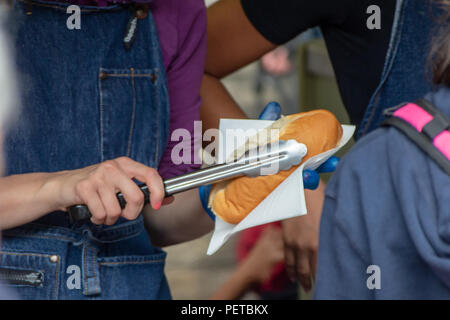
[{"x": 440, "y": 50}]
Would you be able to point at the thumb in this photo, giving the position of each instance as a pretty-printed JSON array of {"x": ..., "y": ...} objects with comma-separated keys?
[
  {"x": 272, "y": 111},
  {"x": 310, "y": 179}
]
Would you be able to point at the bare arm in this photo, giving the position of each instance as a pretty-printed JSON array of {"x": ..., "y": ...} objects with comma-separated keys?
[
  {"x": 256, "y": 268},
  {"x": 233, "y": 42},
  {"x": 26, "y": 197},
  {"x": 227, "y": 52},
  {"x": 182, "y": 220},
  {"x": 239, "y": 283},
  {"x": 217, "y": 103}
]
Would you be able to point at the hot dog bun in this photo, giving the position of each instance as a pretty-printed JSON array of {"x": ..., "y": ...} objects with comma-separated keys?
[{"x": 319, "y": 130}]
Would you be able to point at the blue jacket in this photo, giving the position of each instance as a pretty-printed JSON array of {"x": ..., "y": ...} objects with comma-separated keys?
[{"x": 386, "y": 218}]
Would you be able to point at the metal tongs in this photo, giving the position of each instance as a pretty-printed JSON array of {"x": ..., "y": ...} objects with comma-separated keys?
[{"x": 265, "y": 160}]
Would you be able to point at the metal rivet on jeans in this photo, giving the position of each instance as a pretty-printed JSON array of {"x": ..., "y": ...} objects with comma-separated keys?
[
  {"x": 141, "y": 13},
  {"x": 54, "y": 258}
]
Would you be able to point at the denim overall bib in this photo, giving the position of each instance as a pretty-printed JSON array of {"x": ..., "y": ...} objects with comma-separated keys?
[
  {"x": 85, "y": 99},
  {"x": 405, "y": 76}
]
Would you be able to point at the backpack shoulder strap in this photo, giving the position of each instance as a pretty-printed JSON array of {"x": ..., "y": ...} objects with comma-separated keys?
[{"x": 425, "y": 125}]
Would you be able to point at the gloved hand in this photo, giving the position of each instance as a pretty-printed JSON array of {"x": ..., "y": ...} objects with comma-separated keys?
[
  {"x": 311, "y": 178},
  {"x": 272, "y": 111}
]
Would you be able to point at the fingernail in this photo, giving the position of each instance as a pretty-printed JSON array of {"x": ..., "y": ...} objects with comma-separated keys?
[{"x": 157, "y": 205}]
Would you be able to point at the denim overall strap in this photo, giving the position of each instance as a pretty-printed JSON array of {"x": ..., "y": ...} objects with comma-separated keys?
[
  {"x": 85, "y": 97},
  {"x": 405, "y": 75}
]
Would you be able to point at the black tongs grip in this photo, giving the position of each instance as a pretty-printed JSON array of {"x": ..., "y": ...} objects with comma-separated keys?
[{"x": 81, "y": 211}]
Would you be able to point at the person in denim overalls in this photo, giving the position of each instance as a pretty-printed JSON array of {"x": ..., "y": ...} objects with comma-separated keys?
[{"x": 73, "y": 116}]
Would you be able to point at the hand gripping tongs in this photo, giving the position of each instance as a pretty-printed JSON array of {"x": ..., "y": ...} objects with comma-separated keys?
[{"x": 268, "y": 159}]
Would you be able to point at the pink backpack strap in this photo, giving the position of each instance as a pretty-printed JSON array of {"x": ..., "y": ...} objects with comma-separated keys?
[
  {"x": 426, "y": 126},
  {"x": 435, "y": 127}
]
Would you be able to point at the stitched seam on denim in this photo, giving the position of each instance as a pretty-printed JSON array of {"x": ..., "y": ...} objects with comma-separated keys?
[
  {"x": 129, "y": 224},
  {"x": 134, "y": 75},
  {"x": 21, "y": 269},
  {"x": 115, "y": 240},
  {"x": 133, "y": 230},
  {"x": 102, "y": 149},
  {"x": 38, "y": 229},
  {"x": 85, "y": 289},
  {"x": 25, "y": 254},
  {"x": 94, "y": 267},
  {"x": 24, "y": 235},
  {"x": 115, "y": 233},
  {"x": 394, "y": 43},
  {"x": 157, "y": 156},
  {"x": 132, "y": 262},
  {"x": 64, "y": 8},
  {"x": 372, "y": 113},
  {"x": 395, "y": 23},
  {"x": 133, "y": 114},
  {"x": 57, "y": 279}
]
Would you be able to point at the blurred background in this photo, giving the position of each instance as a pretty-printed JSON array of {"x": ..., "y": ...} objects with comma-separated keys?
[{"x": 300, "y": 77}]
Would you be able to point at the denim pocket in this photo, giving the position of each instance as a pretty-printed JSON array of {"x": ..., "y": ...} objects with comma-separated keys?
[
  {"x": 32, "y": 275},
  {"x": 134, "y": 277},
  {"x": 129, "y": 113}
]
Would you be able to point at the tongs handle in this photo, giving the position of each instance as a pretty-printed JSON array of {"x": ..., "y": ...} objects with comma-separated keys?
[
  {"x": 81, "y": 211},
  {"x": 285, "y": 154},
  {"x": 171, "y": 186}
]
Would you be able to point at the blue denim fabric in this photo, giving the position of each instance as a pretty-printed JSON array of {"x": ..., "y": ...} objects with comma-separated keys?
[
  {"x": 116, "y": 262},
  {"x": 405, "y": 76},
  {"x": 86, "y": 99}
]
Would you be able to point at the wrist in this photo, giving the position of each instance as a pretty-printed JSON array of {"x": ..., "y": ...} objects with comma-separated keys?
[
  {"x": 247, "y": 273},
  {"x": 54, "y": 189}
]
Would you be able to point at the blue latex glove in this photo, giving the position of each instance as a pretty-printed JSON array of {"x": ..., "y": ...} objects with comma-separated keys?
[
  {"x": 311, "y": 178},
  {"x": 272, "y": 111}
]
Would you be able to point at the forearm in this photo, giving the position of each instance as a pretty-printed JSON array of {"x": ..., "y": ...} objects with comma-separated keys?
[
  {"x": 183, "y": 220},
  {"x": 26, "y": 197},
  {"x": 315, "y": 198},
  {"x": 236, "y": 286},
  {"x": 217, "y": 103}
]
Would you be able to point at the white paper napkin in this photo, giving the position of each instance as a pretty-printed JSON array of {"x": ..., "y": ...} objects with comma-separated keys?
[{"x": 286, "y": 201}]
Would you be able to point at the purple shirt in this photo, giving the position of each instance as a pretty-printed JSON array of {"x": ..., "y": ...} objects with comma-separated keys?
[{"x": 181, "y": 26}]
